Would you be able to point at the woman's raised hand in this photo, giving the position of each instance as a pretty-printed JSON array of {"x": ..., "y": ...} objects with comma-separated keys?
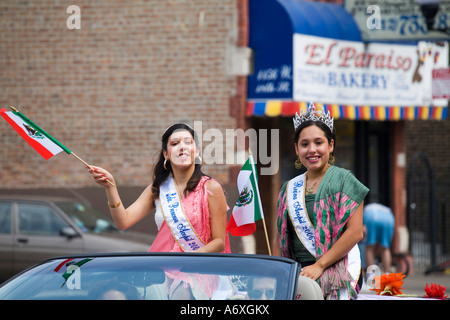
[{"x": 101, "y": 176}]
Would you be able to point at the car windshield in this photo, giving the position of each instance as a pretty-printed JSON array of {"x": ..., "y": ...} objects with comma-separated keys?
[
  {"x": 156, "y": 277},
  {"x": 87, "y": 218}
]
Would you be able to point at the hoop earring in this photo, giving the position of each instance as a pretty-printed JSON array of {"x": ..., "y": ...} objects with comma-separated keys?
[
  {"x": 199, "y": 160},
  {"x": 331, "y": 159},
  {"x": 164, "y": 164},
  {"x": 298, "y": 164}
]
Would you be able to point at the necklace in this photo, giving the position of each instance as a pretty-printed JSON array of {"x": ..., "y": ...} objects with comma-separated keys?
[
  {"x": 310, "y": 190},
  {"x": 180, "y": 194}
]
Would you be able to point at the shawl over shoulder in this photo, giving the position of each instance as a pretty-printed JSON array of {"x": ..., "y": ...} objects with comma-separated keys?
[{"x": 336, "y": 200}]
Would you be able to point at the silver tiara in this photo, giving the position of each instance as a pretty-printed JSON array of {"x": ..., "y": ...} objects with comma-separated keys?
[
  {"x": 173, "y": 124},
  {"x": 315, "y": 115}
]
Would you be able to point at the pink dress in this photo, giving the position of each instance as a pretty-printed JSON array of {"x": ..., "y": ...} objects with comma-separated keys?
[{"x": 195, "y": 205}]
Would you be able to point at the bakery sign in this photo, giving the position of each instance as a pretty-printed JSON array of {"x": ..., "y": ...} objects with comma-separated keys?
[{"x": 355, "y": 73}]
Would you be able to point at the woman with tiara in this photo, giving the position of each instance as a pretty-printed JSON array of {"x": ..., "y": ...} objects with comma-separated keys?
[
  {"x": 190, "y": 206},
  {"x": 320, "y": 212}
]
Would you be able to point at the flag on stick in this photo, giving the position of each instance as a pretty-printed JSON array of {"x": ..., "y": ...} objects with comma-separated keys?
[
  {"x": 41, "y": 141},
  {"x": 247, "y": 209}
]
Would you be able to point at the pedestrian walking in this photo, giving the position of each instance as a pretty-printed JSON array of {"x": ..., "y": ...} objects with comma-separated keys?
[{"x": 379, "y": 223}]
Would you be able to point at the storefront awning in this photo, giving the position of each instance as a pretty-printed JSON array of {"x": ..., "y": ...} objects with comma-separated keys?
[
  {"x": 273, "y": 108},
  {"x": 312, "y": 51}
]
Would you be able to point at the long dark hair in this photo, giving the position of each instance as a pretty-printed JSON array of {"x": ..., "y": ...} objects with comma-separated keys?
[{"x": 160, "y": 173}]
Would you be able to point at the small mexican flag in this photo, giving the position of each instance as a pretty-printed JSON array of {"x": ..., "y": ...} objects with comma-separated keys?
[
  {"x": 41, "y": 141},
  {"x": 248, "y": 208}
]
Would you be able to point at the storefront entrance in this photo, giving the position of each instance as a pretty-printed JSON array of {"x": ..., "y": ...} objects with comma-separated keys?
[{"x": 373, "y": 159}]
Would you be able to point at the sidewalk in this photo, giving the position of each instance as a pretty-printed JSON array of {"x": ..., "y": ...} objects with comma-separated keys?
[{"x": 415, "y": 283}]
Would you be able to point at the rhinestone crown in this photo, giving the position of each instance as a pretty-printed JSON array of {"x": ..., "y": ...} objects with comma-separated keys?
[{"x": 315, "y": 115}]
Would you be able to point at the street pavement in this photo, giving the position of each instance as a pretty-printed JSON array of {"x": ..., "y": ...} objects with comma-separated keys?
[{"x": 415, "y": 283}]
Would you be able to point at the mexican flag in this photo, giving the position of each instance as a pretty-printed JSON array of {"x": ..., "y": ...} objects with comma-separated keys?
[
  {"x": 248, "y": 208},
  {"x": 41, "y": 141}
]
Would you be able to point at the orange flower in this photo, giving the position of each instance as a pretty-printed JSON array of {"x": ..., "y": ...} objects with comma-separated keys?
[{"x": 389, "y": 284}]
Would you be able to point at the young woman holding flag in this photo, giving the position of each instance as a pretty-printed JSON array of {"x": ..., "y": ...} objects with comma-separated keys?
[
  {"x": 190, "y": 209},
  {"x": 320, "y": 212},
  {"x": 190, "y": 206}
]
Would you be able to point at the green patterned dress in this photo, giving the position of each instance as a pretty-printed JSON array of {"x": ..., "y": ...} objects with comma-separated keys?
[{"x": 337, "y": 198}]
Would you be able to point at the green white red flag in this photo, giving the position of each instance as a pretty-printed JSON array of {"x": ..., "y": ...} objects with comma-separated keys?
[
  {"x": 41, "y": 141},
  {"x": 248, "y": 208}
]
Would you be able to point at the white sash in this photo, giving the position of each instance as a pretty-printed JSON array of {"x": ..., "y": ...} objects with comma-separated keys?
[
  {"x": 297, "y": 212},
  {"x": 305, "y": 229},
  {"x": 173, "y": 213}
]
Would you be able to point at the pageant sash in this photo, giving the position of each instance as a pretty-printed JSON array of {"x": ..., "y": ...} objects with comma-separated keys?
[
  {"x": 299, "y": 216},
  {"x": 175, "y": 217}
]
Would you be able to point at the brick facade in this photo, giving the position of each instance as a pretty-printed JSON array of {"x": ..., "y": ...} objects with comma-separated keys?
[
  {"x": 432, "y": 139},
  {"x": 108, "y": 90}
]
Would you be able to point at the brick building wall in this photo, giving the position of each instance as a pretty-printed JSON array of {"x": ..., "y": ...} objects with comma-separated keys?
[
  {"x": 108, "y": 90},
  {"x": 432, "y": 139}
]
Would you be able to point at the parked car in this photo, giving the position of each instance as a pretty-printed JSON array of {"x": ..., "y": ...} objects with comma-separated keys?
[
  {"x": 151, "y": 276},
  {"x": 36, "y": 228}
]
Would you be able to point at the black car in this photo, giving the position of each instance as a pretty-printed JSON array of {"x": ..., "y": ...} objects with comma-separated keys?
[{"x": 162, "y": 276}]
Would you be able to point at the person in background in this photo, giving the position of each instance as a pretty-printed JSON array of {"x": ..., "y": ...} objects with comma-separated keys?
[
  {"x": 262, "y": 288},
  {"x": 379, "y": 223}
]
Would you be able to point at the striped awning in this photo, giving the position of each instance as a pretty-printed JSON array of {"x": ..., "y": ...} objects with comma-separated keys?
[{"x": 273, "y": 108}]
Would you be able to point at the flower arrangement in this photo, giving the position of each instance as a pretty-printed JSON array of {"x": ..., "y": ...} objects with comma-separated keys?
[
  {"x": 389, "y": 284},
  {"x": 435, "y": 291}
]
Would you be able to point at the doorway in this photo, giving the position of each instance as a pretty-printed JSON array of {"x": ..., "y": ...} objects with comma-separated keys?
[{"x": 372, "y": 159}]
